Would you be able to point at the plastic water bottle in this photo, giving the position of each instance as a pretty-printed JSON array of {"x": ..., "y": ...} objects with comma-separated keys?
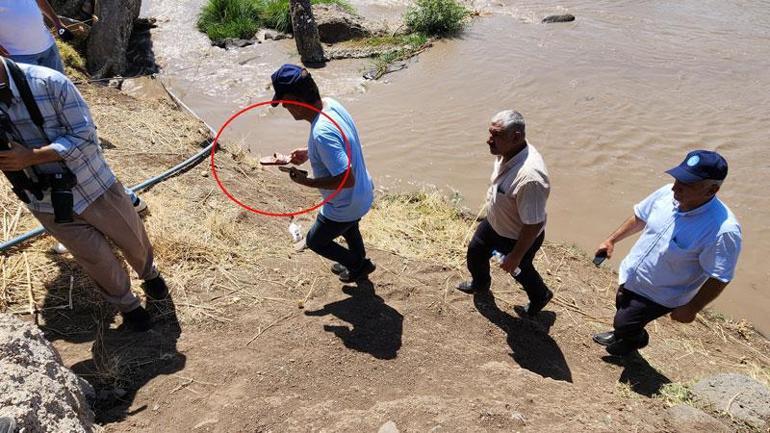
[
  {"x": 296, "y": 231},
  {"x": 498, "y": 257}
]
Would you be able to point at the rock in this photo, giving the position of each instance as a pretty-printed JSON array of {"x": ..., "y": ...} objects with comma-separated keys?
[
  {"x": 687, "y": 419},
  {"x": 269, "y": 34},
  {"x": 230, "y": 43},
  {"x": 741, "y": 397},
  {"x": 36, "y": 391},
  {"x": 565, "y": 18},
  {"x": 388, "y": 427},
  {"x": 337, "y": 25},
  {"x": 108, "y": 43}
]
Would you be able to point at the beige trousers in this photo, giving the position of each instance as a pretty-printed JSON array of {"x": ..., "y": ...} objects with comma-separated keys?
[{"x": 110, "y": 218}]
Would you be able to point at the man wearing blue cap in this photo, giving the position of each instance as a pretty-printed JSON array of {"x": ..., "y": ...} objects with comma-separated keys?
[
  {"x": 331, "y": 156},
  {"x": 684, "y": 258}
]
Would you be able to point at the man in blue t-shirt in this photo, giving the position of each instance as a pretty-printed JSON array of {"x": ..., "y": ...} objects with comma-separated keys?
[
  {"x": 334, "y": 161},
  {"x": 684, "y": 258}
]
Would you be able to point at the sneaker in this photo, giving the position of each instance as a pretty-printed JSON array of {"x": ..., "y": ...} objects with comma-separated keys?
[
  {"x": 140, "y": 205},
  {"x": 605, "y": 338},
  {"x": 338, "y": 269},
  {"x": 533, "y": 307},
  {"x": 351, "y": 277},
  {"x": 59, "y": 248},
  {"x": 155, "y": 289},
  {"x": 468, "y": 287},
  {"x": 625, "y": 346},
  {"x": 137, "y": 320}
]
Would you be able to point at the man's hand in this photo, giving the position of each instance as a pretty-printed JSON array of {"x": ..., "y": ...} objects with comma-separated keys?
[
  {"x": 683, "y": 314},
  {"x": 605, "y": 248},
  {"x": 298, "y": 156},
  {"x": 4, "y": 52},
  {"x": 509, "y": 264},
  {"x": 17, "y": 158},
  {"x": 299, "y": 176}
]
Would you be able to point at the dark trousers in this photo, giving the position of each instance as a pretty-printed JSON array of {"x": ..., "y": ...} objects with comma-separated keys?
[
  {"x": 321, "y": 238},
  {"x": 486, "y": 240},
  {"x": 634, "y": 312}
]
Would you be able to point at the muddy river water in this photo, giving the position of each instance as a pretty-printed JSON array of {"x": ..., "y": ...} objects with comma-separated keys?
[{"x": 611, "y": 100}]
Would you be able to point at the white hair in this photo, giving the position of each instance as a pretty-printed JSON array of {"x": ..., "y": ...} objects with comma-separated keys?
[{"x": 509, "y": 120}]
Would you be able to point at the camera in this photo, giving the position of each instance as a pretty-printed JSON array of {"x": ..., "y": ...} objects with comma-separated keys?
[{"x": 20, "y": 182}]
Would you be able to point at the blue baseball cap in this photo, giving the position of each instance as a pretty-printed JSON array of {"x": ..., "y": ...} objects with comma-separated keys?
[
  {"x": 700, "y": 165},
  {"x": 286, "y": 78}
]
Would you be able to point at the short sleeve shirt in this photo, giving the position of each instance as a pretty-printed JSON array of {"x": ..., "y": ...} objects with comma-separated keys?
[
  {"x": 518, "y": 194},
  {"x": 329, "y": 156},
  {"x": 678, "y": 251},
  {"x": 22, "y": 29}
]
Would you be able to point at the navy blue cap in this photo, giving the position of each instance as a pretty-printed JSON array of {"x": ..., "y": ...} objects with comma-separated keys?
[
  {"x": 285, "y": 78},
  {"x": 700, "y": 165}
]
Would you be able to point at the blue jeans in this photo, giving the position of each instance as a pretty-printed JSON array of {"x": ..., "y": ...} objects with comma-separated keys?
[
  {"x": 49, "y": 58},
  {"x": 321, "y": 237}
]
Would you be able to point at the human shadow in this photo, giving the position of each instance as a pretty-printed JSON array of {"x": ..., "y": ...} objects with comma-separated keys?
[
  {"x": 377, "y": 327},
  {"x": 531, "y": 346},
  {"x": 140, "y": 54},
  {"x": 122, "y": 361},
  {"x": 638, "y": 374}
]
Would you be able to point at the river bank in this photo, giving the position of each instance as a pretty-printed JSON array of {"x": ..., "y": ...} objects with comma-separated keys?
[
  {"x": 261, "y": 337},
  {"x": 611, "y": 100}
]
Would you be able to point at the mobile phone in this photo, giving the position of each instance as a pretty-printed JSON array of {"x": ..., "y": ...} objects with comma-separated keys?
[
  {"x": 601, "y": 257},
  {"x": 290, "y": 169}
]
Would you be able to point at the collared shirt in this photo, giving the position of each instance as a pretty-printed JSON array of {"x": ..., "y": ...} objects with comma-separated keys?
[
  {"x": 678, "y": 251},
  {"x": 518, "y": 193},
  {"x": 70, "y": 130},
  {"x": 22, "y": 29},
  {"x": 328, "y": 157}
]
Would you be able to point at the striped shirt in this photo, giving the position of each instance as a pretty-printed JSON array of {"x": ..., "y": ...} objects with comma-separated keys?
[{"x": 71, "y": 133}]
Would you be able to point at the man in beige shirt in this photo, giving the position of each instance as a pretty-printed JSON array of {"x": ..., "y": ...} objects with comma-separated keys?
[{"x": 515, "y": 222}]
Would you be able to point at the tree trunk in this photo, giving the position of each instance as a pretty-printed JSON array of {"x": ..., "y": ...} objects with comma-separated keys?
[
  {"x": 109, "y": 37},
  {"x": 306, "y": 32}
]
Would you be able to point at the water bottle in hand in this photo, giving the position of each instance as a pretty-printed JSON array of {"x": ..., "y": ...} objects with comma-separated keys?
[
  {"x": 499, "y": 257},
  {"x": 296, "y": 232}
]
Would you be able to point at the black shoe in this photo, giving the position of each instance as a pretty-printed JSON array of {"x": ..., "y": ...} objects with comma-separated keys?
[
  {"x": 137, "y": 320},
  {"x": 627, "y": 346},
  {"x": 605, "y": 338},
  {"x": 351, "y": 277},
  {"x": 7, "y": 425},
  {"x": 533, "y": 307},
  {"x": 469, "y": 288},
  {"x": 155, "y": 289},
  {"x": 338, "y": 269}
]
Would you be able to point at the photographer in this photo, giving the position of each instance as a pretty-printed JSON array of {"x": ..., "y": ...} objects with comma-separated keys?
[{"x": 63, "y": 135}]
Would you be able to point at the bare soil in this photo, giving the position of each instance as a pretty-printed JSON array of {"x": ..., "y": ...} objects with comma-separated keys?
[{"x": 262, "y": 338}]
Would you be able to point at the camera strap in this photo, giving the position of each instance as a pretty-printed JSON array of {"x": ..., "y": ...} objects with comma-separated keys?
[{"x": 26, "y": 95}]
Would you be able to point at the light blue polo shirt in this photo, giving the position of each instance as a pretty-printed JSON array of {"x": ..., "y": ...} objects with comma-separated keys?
[
  {"x": 327, "y": 154},
  {"x": 678, "y": 251}
]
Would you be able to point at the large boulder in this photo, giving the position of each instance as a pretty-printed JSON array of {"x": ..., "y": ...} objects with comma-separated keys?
[
  {"x": 741, "y": 397},
  {"x": 36, "y": 390},
  {"x": 337, "y": 25},
  {"x": 687, "y": 419},
  {"x": 108, "y": 42}
]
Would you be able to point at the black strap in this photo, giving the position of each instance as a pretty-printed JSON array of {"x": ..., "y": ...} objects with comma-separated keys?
[{"x": 26, "y": 95}]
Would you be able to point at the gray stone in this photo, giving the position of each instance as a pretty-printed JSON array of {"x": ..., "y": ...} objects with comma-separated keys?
[
  {"x": 269, "y": 34},
  {"x": 388, "y": 427},
  {"x": 687, "y": 419},
  {"x": 230, "y": 43},
  {"x": 337, "y": 25},
  {"x": 564, "y": 18},
  {"x": 742, "y": 397},
  {"x": 36, "y": 391}
]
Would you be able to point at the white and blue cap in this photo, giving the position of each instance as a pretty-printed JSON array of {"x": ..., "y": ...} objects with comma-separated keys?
[{"x": 700, "y": 165}]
